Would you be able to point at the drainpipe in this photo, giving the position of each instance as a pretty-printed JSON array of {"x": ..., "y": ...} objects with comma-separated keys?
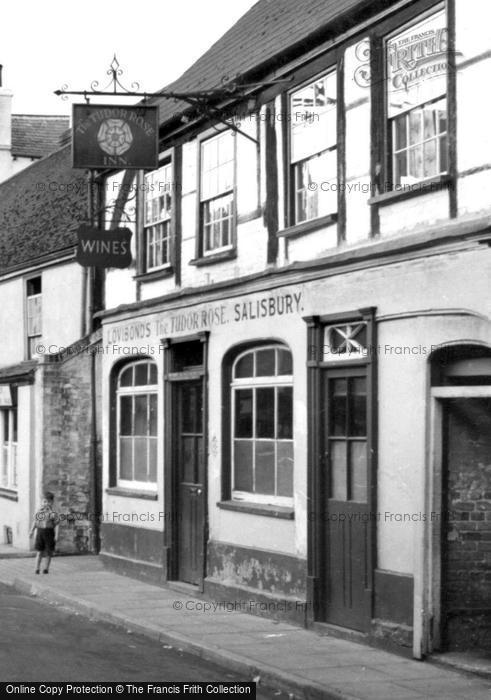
[
  {"x": 96, "y": 509},
  {"x": 87, "y": 314}
]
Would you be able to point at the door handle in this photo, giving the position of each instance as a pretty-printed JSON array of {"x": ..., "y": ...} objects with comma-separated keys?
[{"x": 199, "y": 491}]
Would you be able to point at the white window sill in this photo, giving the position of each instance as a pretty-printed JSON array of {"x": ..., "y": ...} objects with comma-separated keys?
[
  {"x": 132, "y": 492},
  {"x": 254, "y": 508}
]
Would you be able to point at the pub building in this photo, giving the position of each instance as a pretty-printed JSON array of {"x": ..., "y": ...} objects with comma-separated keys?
[{"x": 296, "y": 374}]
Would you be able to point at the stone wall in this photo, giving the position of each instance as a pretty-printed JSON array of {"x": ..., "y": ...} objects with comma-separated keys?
[{"x": 67, "y": 444}]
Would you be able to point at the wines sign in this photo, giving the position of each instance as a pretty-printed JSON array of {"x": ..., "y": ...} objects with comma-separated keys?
[{"x": 97, "y": 248}]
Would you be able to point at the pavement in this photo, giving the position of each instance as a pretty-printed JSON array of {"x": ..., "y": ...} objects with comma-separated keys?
[{"x": 302, "y": 662}]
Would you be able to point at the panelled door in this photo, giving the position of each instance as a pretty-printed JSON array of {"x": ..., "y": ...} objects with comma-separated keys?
[
  {"x": 345, "y": 494},
  {"x": 189, "y": 479}
]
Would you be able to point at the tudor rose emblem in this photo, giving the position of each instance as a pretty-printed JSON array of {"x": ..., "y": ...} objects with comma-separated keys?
[
  {"x": 114, "y": 136},
  {"x": 108, "y": 136}
]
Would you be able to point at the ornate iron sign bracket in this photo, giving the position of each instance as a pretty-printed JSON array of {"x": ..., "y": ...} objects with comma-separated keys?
[{"x": 201, "y": 100}]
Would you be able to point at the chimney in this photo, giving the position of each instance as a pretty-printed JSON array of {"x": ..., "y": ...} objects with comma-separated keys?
[{"x": 5, "y": 130}]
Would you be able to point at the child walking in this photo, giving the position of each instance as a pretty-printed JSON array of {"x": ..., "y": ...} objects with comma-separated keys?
[{"x": 46, "y": 526}]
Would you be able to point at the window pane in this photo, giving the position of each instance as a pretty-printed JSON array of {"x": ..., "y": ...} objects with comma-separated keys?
[
  {"x": 265, "y": 413},
  {"x": 126, "y": 458},
  {"x": 415, "y": 127},
  {"x": 245, "y": 366},
  {"x": 33, "y": 286},
  {"x": 152, "y": 430},
  {"x": 6, "y": 426},
  {"x": 285, "y": 468},
  {"x": 191, "y": 406},
  {"x": 442, "y": 117},
  {"x": 358, "y": 417},
  {"x": 141, "y": 458},
  {"x": 141, "y": 374},
  {"x": 126, "y": 377},
  {"x": 358, "y": 471},
  {"x": 243, "y": 413},
  {"x": 400, "y": 133},
  {"x": 265, "y": 363},
  {"x": 152, "y": 379},
  {"x": 315, "y": 180},
  {"x": 125, "y": 415},
  {"x": 265, "y": 460},
  {"x": 285, "y": 412},
  {"x": 416, "y": 162},
  {"x": 152, "y": 460},
  {"x": 313, "y": 117},
  {"x": 429, "y": 122},
  {"x": 285, "y": 362},
  {"x": 443, "y": 154},
  {"x": 14, "y": 424},
  {"x": 187, "y": 472},
  {"x": 338, "y": 407},
  {"x": 141, "y": 417},
  {"x": 430, "y": 165},
  {"x": 338, "y": 470},
  {"x": 400, "y": 167},
  {"x": 419, "y": 47},
  {"x": 243, "y": 465}
]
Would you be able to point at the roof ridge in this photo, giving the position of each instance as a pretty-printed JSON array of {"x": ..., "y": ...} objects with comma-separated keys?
[{"x": 44, "y": 116}]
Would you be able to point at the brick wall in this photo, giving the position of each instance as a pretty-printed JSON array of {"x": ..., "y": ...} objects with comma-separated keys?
[
  {"x": 67, "y": 448},
  {"x": 467, "y": 570}
]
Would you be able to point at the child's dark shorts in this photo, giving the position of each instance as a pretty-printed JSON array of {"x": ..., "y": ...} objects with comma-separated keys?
[{"x": 45, "y": 541}]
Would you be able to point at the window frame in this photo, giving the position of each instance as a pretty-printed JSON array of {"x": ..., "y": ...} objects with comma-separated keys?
[
  {"x": 223, "y": 251},
  {"x": 290, "y": 198},
  {"x": 269, "y": 381},
  {"x": 381, "y": 167},
  {"x": 39, "y": 296},
  {"x": 439, "y": 7},
  {"x": 167, "y": 162},
  {"x": 133, "y": 390},
  {"x": 9, "y": 448}
]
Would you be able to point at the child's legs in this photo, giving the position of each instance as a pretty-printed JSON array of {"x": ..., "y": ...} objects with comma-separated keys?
[
  {"x": 38, "y": 560},
  {"x": 47, "y": 563}
]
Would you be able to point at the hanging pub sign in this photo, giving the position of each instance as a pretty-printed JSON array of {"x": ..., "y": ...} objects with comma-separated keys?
[
  {"x": 97, "y": 248},
  {"x": 108, "y": 136}
]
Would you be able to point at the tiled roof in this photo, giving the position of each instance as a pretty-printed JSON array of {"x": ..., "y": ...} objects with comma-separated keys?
[
  {"x": 24, "y": 371},
  {"x": 37, "y": 135},
  {"x": 40, "y": 210},
  {"x": 262, "y": 36}
]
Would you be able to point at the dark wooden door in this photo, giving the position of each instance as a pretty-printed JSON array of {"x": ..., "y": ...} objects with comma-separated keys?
[
  {"x": 466, "y": 566},
  {"x": 190, "y": 481},
  {"x": 346, "y": 514}
]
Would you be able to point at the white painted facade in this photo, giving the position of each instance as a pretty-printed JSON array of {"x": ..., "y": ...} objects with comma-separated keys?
[{"x": 426, "y": 297}]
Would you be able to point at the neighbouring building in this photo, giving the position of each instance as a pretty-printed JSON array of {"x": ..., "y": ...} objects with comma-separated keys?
[
  {"x": 296, "y": 381},
  {"x": 48, "y": 357},
  {"x": 26, "y": 138}
]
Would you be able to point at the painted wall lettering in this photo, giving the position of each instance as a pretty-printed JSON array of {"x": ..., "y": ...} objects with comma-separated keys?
[{"x": 267, "y": 306}]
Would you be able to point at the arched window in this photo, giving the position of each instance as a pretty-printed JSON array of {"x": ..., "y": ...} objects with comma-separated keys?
[
  {"x": 262, "y": 425},
  {"x": 136, "y": 406}
]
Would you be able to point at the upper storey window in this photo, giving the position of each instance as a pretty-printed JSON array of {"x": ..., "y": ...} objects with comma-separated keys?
[
  {"x": 217, "y": 193},
  {"x": 417, "y": 70},
  {"x": 158, "y": 216},
  {"x": 313, "y": 149}
]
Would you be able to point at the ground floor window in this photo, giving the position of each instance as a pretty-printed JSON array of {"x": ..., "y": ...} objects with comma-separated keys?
[
  {"x": 262, "y": 426},
  {"x": 8, "y": 441},
  {"x": 136, "y": 404}
]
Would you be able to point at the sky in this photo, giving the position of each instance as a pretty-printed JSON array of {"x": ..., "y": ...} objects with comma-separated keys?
[{"x": 45, "y": 45}]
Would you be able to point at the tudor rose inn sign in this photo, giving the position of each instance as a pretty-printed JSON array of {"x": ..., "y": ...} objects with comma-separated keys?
[{"x": 108, "y": 136}]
